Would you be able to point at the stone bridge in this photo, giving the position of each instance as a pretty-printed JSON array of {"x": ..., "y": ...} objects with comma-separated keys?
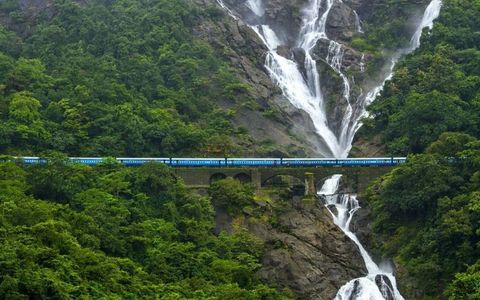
[{"x": 357, "y": 178}]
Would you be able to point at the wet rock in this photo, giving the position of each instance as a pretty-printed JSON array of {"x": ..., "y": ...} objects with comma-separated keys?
[
  {"x": 362, "y": 226},
  {"x": 285, "y": 17},
  {"x": 332, "y": 83},
  {"x": 299, "y": 55},
  {"x": 307, "y": 253},
  {"x": 341, "y": 22},
  {"x": 355, "y": 290},
  {"x": 385, "y": 286},
  {"x": 284, "y": 51}
]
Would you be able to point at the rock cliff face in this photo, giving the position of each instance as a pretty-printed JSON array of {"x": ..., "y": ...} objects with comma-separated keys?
[
  {"x": 307, "y": 253},
  {"x": 273, "y": 119}
]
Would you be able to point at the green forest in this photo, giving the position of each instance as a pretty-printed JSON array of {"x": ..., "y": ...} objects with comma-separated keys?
[
  {"x": 427, "y": 212},
  {"x": 148, "y": 88},
  {"x": 112, "y": 232}
]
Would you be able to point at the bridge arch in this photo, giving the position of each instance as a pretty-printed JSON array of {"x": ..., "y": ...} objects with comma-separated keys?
[
  {"x": 283, "y": 179},
  {"x": 243, "y": 177},
  {"x": 357, "y": 178},
  {"x": 216, "y": 177}
]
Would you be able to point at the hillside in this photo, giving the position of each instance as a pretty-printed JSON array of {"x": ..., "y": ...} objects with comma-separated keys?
[{"x": 426, "y": 212}]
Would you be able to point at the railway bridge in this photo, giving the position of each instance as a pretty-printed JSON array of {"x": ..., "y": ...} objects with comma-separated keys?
[
  {"x": 310, "y": 172},
  {"x": 357, "y": 177}
]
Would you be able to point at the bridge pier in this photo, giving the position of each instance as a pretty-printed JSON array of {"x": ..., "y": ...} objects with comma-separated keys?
[
  {"x": 257, "y": 180},
  {"x": 310, "y": 188}
]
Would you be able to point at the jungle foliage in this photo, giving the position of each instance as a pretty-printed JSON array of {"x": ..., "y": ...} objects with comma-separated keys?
[
  {"x": 111, "y": 232},
  {"x": 111, "y": 78},
  {"x": 436, "y": 88},
  {"x": 426, "y": 212}
]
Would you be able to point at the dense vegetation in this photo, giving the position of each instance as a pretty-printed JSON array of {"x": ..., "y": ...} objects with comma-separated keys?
[
  {"x": 435, "y": 89},
  {"x": 389, "y": 24},
  {"x": 110, "y": 232},
  {"x": 427, "y": 212},
  {"x": 112, "y": 78}
]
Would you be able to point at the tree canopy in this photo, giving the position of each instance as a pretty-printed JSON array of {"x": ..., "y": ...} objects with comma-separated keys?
[
  {"x": 70, "y": 231},
  {"x": 116, "y": 78},
  {"x": 426, "y": 211}
]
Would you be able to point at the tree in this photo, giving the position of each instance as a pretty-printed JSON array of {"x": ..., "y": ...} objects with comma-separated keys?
[
  {"x": 231, "y": 194},
  {"x": 449, "y": 144},
  {"x": 425, "y": 117},
  {"x": 466, "y": 285}
]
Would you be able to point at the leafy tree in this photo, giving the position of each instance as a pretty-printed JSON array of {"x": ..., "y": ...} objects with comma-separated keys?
[
  {"x": 231, "y": 194},
  {"x": 147, "y": 88},
  {"x": 466, "y": 285},
  {"x": 449, "y": 144}
]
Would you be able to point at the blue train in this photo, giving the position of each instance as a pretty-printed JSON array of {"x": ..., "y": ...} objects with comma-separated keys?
[{"x": 236, "y": 162}]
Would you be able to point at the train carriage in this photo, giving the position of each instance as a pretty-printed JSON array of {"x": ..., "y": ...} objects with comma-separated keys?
[{"x": 236, "y": 162}]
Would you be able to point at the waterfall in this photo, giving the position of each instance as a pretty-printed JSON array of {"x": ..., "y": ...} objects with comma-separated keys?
[
  {"x": 256, "y": 7},
  {"x": 379, "y": 284},
  {"x": 303, "y": 90},
  {"x": 358, "y": 23},
  {"x": 301, "y": 85},
  {"x": 431, "y": 13}
]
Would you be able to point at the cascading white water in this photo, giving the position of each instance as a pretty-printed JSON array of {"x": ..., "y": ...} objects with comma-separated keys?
[
  {"x": 362, "y": 63},
  {"x": 379, "y": 284},
  {"x": 366, "y": 287},
  {"x": 335, "y": 60},
  {"x": 358, "y": 24},
  {"x": 303, "y": 90},
  {"x": 256, "y": 6},
  {"x": 431, "y": 13}
]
